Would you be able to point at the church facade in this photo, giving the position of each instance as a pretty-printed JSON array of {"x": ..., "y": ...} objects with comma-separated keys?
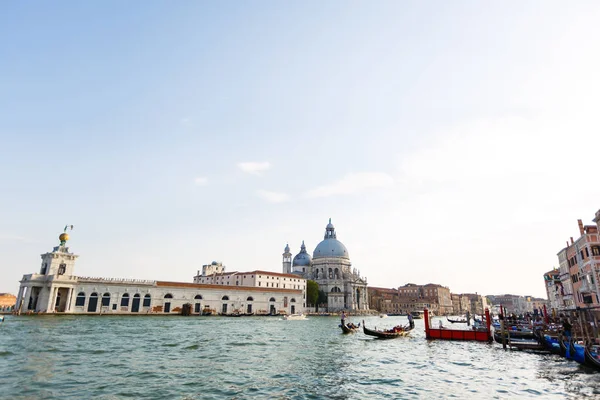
[{"x": 331, "y": 268}]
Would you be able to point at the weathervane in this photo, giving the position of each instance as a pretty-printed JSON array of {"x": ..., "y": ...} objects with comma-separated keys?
[{"x": 64, "y": 236}]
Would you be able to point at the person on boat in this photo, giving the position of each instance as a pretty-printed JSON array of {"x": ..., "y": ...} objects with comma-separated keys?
[
  {"x": 411, "y": 321},
  {"x": 343, "y": 318}
]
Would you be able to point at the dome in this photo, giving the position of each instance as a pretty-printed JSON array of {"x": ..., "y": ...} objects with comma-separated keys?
[
  {"x": 63, "y": 237},
  {"x": 330, "y": 248},
  {"x": 302, "y": 259}
]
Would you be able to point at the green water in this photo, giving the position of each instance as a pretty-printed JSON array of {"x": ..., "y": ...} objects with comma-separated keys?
[{"x": 79, "y": 357}]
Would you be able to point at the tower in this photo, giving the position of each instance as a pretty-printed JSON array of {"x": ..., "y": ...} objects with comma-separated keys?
[
  {"x": 287, "y": 260},
  {"x": 60, "y": 261}
]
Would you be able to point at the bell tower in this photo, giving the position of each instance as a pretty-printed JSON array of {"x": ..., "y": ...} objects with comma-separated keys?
[{"x": 287, "y": 260}]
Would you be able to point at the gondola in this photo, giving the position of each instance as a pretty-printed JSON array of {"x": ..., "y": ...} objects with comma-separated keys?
[
  {"x": 552, "y": 344},
  {"x": 457, "y": 321},
  {"x": 577, "y": 352},
  {"x": 347, "y": 329},
  {"x": 563, "y": 346},
  {"x": 386, "y": 335},
  {"x": 590, "y": 359}
]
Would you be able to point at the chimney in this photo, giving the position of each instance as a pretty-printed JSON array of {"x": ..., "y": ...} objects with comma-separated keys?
[
  {"x": 572, "y": 242},
  {"x": 567, "y": 242},
  {"x": 580, "y": 227}
]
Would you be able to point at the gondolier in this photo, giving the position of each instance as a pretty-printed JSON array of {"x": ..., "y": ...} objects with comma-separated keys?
[{"x": 411, "y": 323}]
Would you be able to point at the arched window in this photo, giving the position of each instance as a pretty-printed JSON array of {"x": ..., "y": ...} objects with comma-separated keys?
[
  {"x": 125, "y": 300},
  {"x": 336, "y": 273},
  {"x": 225, "y": 298},
  {"x": 80, "y": 301},
  {"x": 272, "y": 299},
  {"x": 168, "y": 296},
  {"x": 136, "y": 295},
  {"x": 198, "y": 297},
  {"x": 316, "y": 274},
  {"x": 335, "y": 289},
  {"x": 93, "y": 302},
  {"x": 250, "y": 298},
  {"x": 330, "y": 273},
  {"x": 106, "y": 300},
  {"x": 147, "y": 299},
  {"x": 293, "y": 300}
]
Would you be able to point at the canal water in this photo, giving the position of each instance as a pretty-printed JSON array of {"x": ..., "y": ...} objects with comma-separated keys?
[{"x": 79, "y": 357}]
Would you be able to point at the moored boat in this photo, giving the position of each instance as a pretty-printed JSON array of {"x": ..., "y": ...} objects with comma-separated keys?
[
  {"x": 456, "y": 321},
  {"x": 592, "y": 356},
  {"x": 294, "y": 317},
  {"x": 388, "y": 334},
  {"x": 417, "y": 314},
  {"x": 479, "y": 334}
]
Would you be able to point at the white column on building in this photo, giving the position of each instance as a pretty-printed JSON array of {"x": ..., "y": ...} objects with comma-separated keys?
[
  {"x": 19, "y": 298},
  {"x": 68, "y": 302},
  {"x": 26, "y": 295},
  {"x": 51, "y": 299}
]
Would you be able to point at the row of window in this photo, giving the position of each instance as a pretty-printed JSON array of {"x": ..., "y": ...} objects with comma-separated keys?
[
  {"x": 584, "y": 254},
  {"x": 80, "y": 300}
]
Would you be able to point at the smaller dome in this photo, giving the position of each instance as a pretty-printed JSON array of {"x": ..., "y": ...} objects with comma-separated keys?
[
  {"x": 287, "y": 248},
  {"x": 302, "y": 259},
  {"x": 63, "y": 237},
  {"x": 214, "y": 263}
]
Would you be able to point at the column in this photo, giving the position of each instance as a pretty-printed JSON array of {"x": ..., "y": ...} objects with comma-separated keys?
[
  {"x": 51, "y": 299},
  {"x": 68, "y": 303},
  {"x": 26, "y": 295},
  {"x": 19, "y": 299}
]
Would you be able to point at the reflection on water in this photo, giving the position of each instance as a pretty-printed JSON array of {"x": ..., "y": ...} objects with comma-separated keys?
[{"x": 264, "y": 357}]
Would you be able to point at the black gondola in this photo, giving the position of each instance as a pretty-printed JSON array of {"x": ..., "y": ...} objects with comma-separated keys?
[
  {"x": 457, "y": 321},
  {"x": 386, "y": 335},
  {"x": 590, "y": 359},
  {"x": 349, "y": 329},
  {"x": 563, "y": 347}
]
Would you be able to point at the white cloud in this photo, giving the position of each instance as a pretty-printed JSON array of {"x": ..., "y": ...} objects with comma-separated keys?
[
  {"x": 352, "y": 183},
  {"x": 201, "y": 181},
  {"x": 12, "y": 238},
  {"x": 255, "y": 168},
  {"x": 273, "y": 197}
]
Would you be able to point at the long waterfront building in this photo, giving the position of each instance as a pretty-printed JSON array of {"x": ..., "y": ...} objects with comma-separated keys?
[{"x": 56, "y": 289}]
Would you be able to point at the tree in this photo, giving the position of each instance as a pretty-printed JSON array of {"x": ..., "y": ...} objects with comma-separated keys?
[
  {"x": 312, "y": 292},
  {"x": 322, "y": 299}
]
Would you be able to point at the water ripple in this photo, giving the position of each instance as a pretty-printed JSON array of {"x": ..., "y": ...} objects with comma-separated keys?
[{"x": 264, "y": 358}]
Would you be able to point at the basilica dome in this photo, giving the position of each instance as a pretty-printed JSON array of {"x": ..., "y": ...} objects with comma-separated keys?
[
  {"x": 330, "y": 246},
  {"x": 302, "y": 259}
]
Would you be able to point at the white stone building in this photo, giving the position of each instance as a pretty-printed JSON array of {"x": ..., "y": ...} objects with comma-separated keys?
[
  {"x": 330, "y": 267},
  {"x": 56, "y": 289}
]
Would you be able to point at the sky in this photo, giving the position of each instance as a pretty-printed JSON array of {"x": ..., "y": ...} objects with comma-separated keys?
[{"x": 449, "y": 142}]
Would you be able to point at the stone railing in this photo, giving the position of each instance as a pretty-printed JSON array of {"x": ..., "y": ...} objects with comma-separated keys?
[{"x": 89, "y": 279}]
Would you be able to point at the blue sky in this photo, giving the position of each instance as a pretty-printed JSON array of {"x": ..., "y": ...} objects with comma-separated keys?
[{"x": 453, "y": 143}]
